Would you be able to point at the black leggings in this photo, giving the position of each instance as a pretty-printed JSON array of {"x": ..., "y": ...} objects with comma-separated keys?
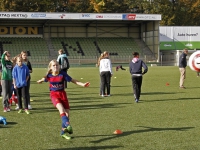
[
  {"x": 105, "y": 82},
  {"x": 137, "y": 83},
  {"x": 21, "y": 93}
]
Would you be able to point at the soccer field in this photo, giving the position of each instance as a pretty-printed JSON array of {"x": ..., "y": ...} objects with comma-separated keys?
[{"x": 166, "y": 118}]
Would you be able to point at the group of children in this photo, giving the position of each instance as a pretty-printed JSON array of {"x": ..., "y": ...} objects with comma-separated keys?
[
  {"x": 17, "y": 73},
  {"x": 15, "y": 76},
  {"x": 19, "y": 76}
]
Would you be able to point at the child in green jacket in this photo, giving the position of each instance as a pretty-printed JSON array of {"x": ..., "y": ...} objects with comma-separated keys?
[{"x": 6, "y": 80}]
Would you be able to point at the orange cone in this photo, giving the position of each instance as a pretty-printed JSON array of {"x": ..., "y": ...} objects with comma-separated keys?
[
  {"x": 167, "y": 84},
  {"x": 118, "y": 131}
]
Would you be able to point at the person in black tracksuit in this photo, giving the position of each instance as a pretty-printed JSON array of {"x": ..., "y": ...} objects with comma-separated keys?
[{"x": 135, "y": 68}]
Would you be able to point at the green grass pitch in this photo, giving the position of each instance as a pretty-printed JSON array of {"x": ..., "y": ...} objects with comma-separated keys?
[{"x": 166, "y": 118}]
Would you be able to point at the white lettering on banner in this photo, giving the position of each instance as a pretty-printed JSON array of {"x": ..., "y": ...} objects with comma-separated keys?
[
  {"x": 167, "y": 45},
  {"x": 131, "y": 17},
  {"x": 38, "y": 15},
  {"x": 188, "y": 44}
]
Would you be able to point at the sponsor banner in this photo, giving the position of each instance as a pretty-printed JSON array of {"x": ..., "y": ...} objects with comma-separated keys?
[
  {"x": 186, "y": 33},
  {"x": 62, "y": 16},
  {"x": 167, "y": 46},
  {"x": 179, "y": 45},
  {"x": 129, "y": 16},
  {"x": 100, "y": 16},
  {"x": 31, "y": 15},
  {"x": 38, "y": 15},
  {"x": 179, "y": 33},
  {"x": 86, "y": 16},
  {"x": 14, "y": 15},
  {"x": 141, "y": 17},
  {"x": 108, "y": 16}
]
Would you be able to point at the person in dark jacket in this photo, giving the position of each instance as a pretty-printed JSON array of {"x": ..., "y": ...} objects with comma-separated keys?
[
  {"x": 182, "y": 67},
  {"x": 135, "y": 68}
]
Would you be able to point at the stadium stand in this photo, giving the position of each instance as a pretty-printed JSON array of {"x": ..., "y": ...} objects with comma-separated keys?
[
  {"x": 76, "y": 48},
  {"x": 36, "y": 47},
  {"x": 93, "y": 47}
]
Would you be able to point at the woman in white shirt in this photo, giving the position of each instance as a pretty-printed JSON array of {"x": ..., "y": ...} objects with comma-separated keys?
[{"x": 105, "y": 69}]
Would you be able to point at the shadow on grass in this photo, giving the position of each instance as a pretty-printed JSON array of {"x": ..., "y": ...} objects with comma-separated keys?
[
  {"x": 88, "y": 148},
  {"x": 154, "y": 93},
  {"x": 126, "y": 133},
  {"x": 9, "y": 124},
  {"x": 40, "y": 94},
  {"x": 98, "y": 106},
  {"x": 44, "y": 110},
  {"x": 179, "y": 99}
]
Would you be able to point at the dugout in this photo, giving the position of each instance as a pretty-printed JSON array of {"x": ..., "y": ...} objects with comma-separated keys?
[{"x": 142, "y": 28}]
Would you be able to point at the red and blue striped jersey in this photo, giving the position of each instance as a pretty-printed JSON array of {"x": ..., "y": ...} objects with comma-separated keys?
[{"x": 56, "y": 83}]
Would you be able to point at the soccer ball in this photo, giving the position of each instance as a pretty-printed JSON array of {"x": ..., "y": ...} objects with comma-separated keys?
[{"x": 194, "y": 61}]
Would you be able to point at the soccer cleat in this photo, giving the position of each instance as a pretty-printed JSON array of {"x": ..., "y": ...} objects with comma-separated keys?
[
  {"x": 20, "y": 111},
  {"x": 27, "y": 111},
  {"x": 136, "y": 100},
  {"x": 29, "y": 107},
  {"x": 68, "y": 129},
  {"x": 66, "y": 137}
]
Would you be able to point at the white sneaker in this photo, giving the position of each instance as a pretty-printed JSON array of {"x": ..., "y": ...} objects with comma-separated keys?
[
  {"x": 17, "y": 108},
  {"x": 8, "y": 109},
  {"x": 29, "y": 107}
]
